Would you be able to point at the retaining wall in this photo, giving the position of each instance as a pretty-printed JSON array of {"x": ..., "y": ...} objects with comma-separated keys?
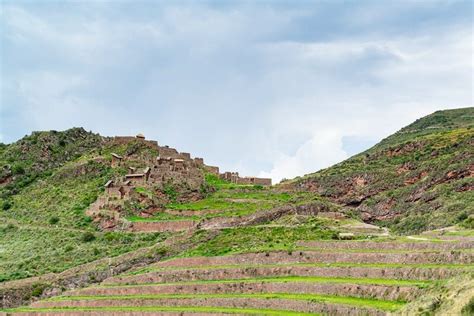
[
  {"x": 446, "y": 246},
  {"x": 346, "y": 289},
  {"x": 168, "y": 276},
  {"x": 278, "y": 304},
  {"x": 323, "y": 257},
  {"x": 170, "y": 226}
]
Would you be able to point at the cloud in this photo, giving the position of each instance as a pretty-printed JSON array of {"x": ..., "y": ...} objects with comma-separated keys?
[
  {"x": 321, "y": 150},
  {"x": 274, "y": 90}
]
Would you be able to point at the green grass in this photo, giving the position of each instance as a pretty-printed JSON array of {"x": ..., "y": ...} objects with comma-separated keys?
[
  {"x": 317, "y": 265},
  {"x": 227, "y": 206},
  {"x": 365, "y": 250},
  {"x": 334, "y": 299},
  {"x": 28, "y": 251},
  {"x": 44, "y": 229},
  {"x": 190, "y": 309},
  {"x": 258, "y": 239},
  {"x": 285, "y": 279}
]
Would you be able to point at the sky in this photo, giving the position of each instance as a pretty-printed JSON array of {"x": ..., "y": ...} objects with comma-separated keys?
[{"x": 267, "y": 88}]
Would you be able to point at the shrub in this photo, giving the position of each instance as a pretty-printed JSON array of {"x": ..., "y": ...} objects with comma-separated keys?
[
  {"x": 468, "y": 223},
  {"x": 462, "y": 216},
  {"x": 18, "y": 169},
  {"x": 54, "y": 220},
  {"x": 170, "y": 191},
  {"x": 468, "y": 309},
  {"x": 37, "y": 289},
  {"x": 6, "y": 205},
  {"x": 68, "y": 248},
  {"x": 87, "y": 237}
]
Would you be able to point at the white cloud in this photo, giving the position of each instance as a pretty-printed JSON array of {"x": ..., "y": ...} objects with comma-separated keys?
[
  {"x": 241, "y": 86},
  {"x": 321, "y": 150}
]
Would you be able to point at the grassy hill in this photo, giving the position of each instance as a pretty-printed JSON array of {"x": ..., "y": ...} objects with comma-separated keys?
[
  {"x": 243, "y": 249},
  {"x": 48, "y": 181},
  {"x": 419, "y": 178}
]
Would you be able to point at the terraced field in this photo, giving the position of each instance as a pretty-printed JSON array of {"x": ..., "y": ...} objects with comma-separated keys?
[
  {"x": 319, "y": 278},
  {"x": 226, "y": 204}
]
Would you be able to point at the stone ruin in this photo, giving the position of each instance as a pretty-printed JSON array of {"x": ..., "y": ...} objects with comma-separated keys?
[
  {"x": 234, "y": 177},
  {"x": 170, "y": 166}
]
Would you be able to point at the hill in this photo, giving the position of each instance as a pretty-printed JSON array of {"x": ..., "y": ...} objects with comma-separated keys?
[
  {"x": 420, "y": 178},
  {"x": 122, "y": 225}
]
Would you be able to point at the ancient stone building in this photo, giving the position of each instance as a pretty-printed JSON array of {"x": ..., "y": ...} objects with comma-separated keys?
[
  {"x": 235, "y": 178},
  {"x": 116, "y": 160},
  {"x": 169, "y": 166}
]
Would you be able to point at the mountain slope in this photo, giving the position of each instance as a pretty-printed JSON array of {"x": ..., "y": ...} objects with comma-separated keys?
[
  {"x": 48, "y": 181},
  {"x": 236, "y": 247},
  {"x": 420, "y": 178}
]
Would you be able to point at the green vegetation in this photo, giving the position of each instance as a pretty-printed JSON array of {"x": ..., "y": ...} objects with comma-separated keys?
[
  {"x": 419, "y": 175},
  {"x": 34, "y": 250},
  {"x": 51, "y": 179},
  {"x": 346, "y": 300},
  {"x": 286, "y": 279},
  {"x": 35, "y": 157},
  {"x": 415, "y": 180},
  {"x": 468, "y": 309},
  {"x": 255, "y": 239},
  {"x": 316, "y": 265},
  {"x": 191, "y": 309}
]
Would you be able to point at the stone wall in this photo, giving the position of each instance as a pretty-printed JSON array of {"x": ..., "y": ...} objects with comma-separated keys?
[
  {"x": 324, "y": 257},
  {"x": 304, "y": 306},
  {"x": 194, "y": 274},
  {"x": 163, "y": 226}
]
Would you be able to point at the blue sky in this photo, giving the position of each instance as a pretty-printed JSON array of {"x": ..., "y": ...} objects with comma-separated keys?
[{"x": 269, "y": 88}]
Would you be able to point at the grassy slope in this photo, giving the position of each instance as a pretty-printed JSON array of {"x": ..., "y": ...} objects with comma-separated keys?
[
  {"x": 354, "y": 301},
  {"x": 191, "y": 309},
  {"x": 414, "y": 180},
  {"x": 44, "y": 227}
]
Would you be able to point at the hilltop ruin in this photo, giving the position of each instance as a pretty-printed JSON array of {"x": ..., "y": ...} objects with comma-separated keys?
[{"x": 155, "y": 174}]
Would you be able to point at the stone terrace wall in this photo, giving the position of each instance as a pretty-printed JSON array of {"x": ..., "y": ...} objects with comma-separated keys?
[
  {"x": 386, "y": 292},
  {"x": 164, "y": 226},
  {"x": 446, "y": 246},
  {"x": 323, "y": 257},
  {"x": 278, "y": 304},
  {"x": 252, "y": 272}
]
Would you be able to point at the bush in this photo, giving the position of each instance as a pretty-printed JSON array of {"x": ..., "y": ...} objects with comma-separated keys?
[
  {"x": 468, "y": 309},
  {"x": 18, "y": 169},
  {"x": 170, "y": 191},
  {"x": 87, "y": 237},
  {"x": 38, "y": 289},
  {"x": 462, "y": 216},
  {"x": 54, "y": 220},
  {"x": 6, "y": 205},
  {"x": 468, "y": 223}
]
